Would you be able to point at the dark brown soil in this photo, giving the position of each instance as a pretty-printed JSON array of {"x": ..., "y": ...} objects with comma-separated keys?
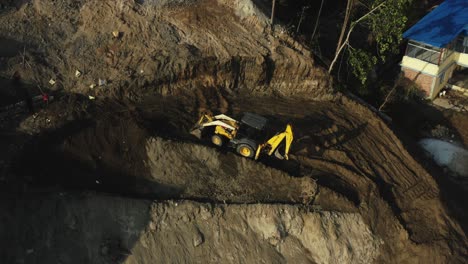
[
  {"x": 171, "y": 62},
  {"x": 342, "y": 160}
]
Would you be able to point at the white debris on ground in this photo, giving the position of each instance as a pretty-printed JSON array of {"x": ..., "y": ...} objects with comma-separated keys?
[
  {"x": 444, "y": 153},
  {"x": 454, "y": 98}
]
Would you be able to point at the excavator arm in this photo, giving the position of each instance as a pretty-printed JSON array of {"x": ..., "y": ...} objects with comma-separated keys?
[
  {"x": 273, "y": 143},
  {"x": 223, "y": 124}
]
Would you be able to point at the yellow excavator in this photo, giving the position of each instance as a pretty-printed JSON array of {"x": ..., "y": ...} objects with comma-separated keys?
[{"x": 250, "y": 137}]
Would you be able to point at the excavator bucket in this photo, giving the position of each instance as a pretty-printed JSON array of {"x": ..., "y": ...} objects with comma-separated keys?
[
  {"x": 281, "y": 142},
  {"x": 288, "y": 140},
  {"x": 276, "y": 143},
  {"x": 198, "y": 127},
  {"x": 279, "y": 155},
  {"x": 197, "y": 132}
]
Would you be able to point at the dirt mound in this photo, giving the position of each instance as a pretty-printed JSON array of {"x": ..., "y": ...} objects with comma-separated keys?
[
  {"x": 225, "y": 177},
  {"x": 114, "y": 230},
  {"x": 164, "y": 46}
]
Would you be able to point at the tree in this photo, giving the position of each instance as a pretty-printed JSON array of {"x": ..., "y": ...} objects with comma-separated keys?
[
  {"x": 317, "y": 21},
  {"x": 384, "y": 20},
  {"x": 272, "y": 12}
]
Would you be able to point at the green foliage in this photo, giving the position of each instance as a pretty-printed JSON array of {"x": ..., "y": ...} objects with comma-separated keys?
[
  {"x": 361, "y": 63},
  {"x": 385, "y": 24}
]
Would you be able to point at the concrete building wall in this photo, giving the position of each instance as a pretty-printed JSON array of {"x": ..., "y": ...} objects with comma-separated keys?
[
  {"x": 462, "y": 59},
  {"x": 448, "y": 61},
  {"x": 423, "y": 80},
  {"x": 419, "y": 65},
  {"x": 442, "y": 79},
  {"x": 432, "y": 78}
]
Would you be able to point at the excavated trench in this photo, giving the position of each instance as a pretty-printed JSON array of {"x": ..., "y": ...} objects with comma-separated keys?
[
  {"x": 339, "y": 161},
  {"x": 126, "y": 152},
  {"x": 124, "y": 149}
]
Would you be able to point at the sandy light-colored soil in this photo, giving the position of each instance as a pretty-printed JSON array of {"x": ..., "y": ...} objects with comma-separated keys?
[
  {"x": 182, "y": 232},
  {"x": 119, "y": 179}
]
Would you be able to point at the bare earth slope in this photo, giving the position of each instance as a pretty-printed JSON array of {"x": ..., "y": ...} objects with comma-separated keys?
[
  {"x": 184, "y": 232},
  {"x": 351, "y": 192},
  {"x": 163, "y": 45}
]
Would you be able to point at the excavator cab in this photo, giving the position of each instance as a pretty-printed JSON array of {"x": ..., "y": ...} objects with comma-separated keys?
[{"x": 254, "y": 127}]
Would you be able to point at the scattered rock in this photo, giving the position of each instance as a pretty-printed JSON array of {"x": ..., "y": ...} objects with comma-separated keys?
[
  {"x": 440, "y": 132},
  {"x": 185, "y": 218},
  {"x": 102, "y": 82},
  {"x": 198, "y": 238},
  {"x": 152, "y": 226}
]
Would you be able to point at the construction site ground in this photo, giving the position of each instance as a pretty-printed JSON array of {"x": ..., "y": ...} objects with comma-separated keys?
[{"x": 117, "y": 178}]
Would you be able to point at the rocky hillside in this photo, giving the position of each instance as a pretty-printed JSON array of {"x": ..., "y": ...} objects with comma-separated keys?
[
  {"x": 160, "y": 46},
  {"x": 109, "y": 230}
]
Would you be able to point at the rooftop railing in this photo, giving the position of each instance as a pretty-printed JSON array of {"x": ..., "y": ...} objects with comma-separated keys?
[{"x": 423, "y": 52}]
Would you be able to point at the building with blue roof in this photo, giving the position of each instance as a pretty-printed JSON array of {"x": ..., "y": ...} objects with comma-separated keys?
[{"x": 437, "y": 46}]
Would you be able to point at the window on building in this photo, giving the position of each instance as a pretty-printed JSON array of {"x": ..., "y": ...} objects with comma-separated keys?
[
  {"x": 423, "y": 52},
  {"x": 447, "y": 51},
  {"x": 442, "y": 78},
  {"x": 462, "y": 44}
]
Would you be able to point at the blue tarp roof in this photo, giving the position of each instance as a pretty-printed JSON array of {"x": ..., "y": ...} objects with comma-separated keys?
[{"x": 442, "y": 25}]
